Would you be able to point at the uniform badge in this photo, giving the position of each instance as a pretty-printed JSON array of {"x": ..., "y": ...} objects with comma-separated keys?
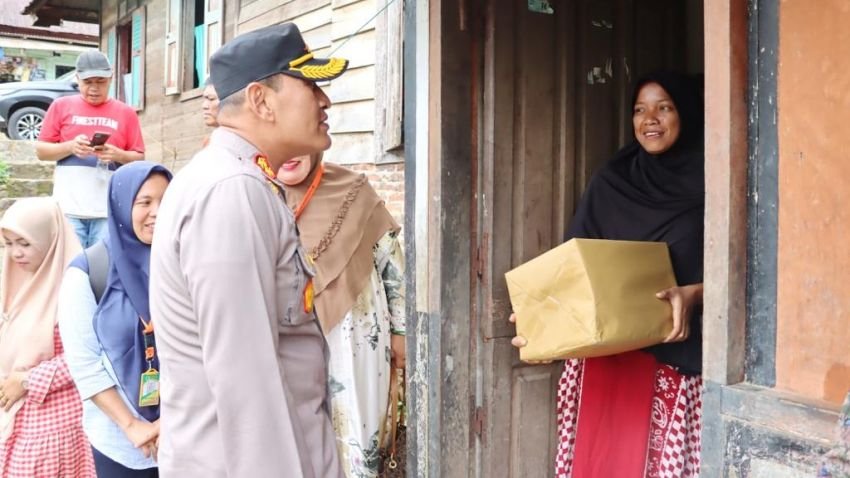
[{"x": 308, "y": 297}]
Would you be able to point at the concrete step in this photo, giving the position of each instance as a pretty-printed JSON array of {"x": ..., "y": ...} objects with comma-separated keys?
[
  {"x": 17, "y": 150},
  {"x": 22, "y": 164},
  {"x": 30, "y": 169},
  {"x": 21, "y": 188}
]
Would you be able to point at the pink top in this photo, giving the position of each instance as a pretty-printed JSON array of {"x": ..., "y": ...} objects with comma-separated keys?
[{"x": 48, "y": 438}]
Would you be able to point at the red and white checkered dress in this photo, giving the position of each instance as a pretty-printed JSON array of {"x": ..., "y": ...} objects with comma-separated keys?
[
  {"x": 674, "y": 430},
  {"x": 48, "y": 440}
]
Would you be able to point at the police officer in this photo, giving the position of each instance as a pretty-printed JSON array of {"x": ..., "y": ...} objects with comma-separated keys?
[{"x": 243, "y": 358}]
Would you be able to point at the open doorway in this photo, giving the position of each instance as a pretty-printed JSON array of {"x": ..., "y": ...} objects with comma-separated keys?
[{"x": 555, "y": 96}]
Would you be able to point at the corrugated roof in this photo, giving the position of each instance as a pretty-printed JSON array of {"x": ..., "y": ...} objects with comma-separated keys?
[
  {"x": 43, "y": 34},
  {"x": 11, "y": 15},
  {"x": 13, "y": 23}
]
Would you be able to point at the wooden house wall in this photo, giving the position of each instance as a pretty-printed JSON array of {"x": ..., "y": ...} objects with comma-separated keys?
[
  {"x": 173, "y": 126},
  {"x": 813, "y": 330}
]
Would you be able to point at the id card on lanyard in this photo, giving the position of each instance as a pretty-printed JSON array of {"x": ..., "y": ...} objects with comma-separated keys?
[{"x": 149, "y": 382}]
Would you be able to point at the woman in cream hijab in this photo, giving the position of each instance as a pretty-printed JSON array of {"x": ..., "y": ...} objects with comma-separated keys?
[
  {"x": 352, "y": 242},
  {"x": 40, "y": 410}
]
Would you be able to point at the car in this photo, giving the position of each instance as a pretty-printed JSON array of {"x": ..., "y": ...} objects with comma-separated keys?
[{"x": 24, "y": 104}]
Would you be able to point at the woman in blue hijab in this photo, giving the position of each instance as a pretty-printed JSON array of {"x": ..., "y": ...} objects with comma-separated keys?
[{"x": 109, "y": 343}]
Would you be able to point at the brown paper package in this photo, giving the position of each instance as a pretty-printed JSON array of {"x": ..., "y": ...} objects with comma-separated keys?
[{"x": 592, "y": 297}]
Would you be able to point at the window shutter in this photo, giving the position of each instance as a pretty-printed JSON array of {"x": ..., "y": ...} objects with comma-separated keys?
[
  {"x": 136, "y": 98},
  {"x": 213, "y": 32},
  {"x": 111, "y": 49},
  {"x": 172, "y": 47},
  {"x": 389, "y": 77}
]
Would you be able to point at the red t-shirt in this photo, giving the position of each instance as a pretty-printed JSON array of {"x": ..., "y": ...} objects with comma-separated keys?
[{"x": 70, "y": 116}]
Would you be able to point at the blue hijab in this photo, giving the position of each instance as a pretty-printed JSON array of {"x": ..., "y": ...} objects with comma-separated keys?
[{"x": 125, "y": 299}]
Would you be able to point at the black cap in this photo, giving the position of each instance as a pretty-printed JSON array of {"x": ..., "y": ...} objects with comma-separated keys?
[{"x": 259, "y": 54}]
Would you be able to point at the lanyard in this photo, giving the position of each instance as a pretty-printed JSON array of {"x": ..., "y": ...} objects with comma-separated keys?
[
  {"x": 149, "y": 380},
  {"x": 312, "y": 190},
  {"x": 147, "y": 334}
]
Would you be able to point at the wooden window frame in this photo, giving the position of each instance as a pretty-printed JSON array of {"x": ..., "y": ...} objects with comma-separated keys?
[
  {"x": 111, "y": 47},
  {"x": 185, "y": 10},
  {"x": 389, "y": 76},
  {"x": 173, "y": 64},
  {"x": 135, "y": 57}
]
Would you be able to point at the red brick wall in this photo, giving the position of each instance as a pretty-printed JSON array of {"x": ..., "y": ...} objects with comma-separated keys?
[{"x": 388, "y": 181}]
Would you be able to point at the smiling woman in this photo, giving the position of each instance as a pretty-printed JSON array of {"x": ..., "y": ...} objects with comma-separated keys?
[
  {"x": 641, "y": 409},
  {"x": 655, "y": 119},
  {"x": 146, "y": 205},
  {"x": 110, "y": 340}
]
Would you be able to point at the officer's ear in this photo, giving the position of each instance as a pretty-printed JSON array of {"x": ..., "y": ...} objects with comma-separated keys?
[{"x": 257, "y": 100}]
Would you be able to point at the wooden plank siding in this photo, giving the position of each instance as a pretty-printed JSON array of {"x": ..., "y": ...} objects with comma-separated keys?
[
  {"x": 172, "y": 124},
  {"x": 326, "y": 26}
]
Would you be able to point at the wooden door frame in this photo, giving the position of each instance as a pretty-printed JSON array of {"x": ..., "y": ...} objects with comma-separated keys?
[
  {"x": 439, "y": 230},
  {"x": 724, "y": 322},
  {"x": 743, "y": 416},
  {"x": 440, "y": 143},
  {"x": 438, "y": 235}
]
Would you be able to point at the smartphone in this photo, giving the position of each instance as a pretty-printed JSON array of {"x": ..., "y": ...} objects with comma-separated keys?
[{"x": 98, "y": 139}]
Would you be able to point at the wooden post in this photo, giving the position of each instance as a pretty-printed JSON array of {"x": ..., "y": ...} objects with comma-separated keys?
[
  {"x": 440, "y": 377},
  {"x": 726, "y": 190},
  {"x": 726, "y": 217}
]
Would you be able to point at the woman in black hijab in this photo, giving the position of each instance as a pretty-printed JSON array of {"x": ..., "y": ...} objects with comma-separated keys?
[{"x": 638, "y": 414}]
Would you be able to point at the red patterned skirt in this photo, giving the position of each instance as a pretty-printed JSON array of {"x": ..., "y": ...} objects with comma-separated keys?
[{"x": 627, "y": 416}]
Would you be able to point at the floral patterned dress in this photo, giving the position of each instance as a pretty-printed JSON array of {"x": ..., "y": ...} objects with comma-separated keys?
[{"x": 360, "y": 361}]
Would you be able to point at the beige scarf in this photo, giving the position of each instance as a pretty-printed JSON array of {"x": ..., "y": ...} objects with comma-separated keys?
[
  {"x": 345, "y": 257},
  {"x": 29, "y": 299}
]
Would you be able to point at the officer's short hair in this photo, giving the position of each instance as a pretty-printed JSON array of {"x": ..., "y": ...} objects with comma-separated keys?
[{"x": 236, "y": 99}]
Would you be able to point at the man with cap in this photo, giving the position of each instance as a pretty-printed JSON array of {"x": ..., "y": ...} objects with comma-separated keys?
[
  {"x": 244, "y": 378},
  {"x": 82, "y": 172}
]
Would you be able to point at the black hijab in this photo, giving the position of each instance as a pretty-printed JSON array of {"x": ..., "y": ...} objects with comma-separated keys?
[{"x": 638, "y": 196}]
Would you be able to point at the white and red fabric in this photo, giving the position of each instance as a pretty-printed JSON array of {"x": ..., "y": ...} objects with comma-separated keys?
[{"x": 668, "y": 421}]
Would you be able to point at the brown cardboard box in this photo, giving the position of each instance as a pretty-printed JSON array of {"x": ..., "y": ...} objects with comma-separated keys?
[{"x": 592, "y": 297}]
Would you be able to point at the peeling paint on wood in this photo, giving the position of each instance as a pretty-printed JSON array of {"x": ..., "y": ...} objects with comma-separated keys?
[{"x": 750, "y": 451}]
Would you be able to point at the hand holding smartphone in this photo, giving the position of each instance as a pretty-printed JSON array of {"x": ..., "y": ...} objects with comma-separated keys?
[{"x": 98, "y": 140}]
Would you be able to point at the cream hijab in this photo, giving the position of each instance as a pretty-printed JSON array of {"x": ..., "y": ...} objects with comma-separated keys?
[
  {"x": 29, "y": 299},
  {"x": 343, "y": 268}
]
